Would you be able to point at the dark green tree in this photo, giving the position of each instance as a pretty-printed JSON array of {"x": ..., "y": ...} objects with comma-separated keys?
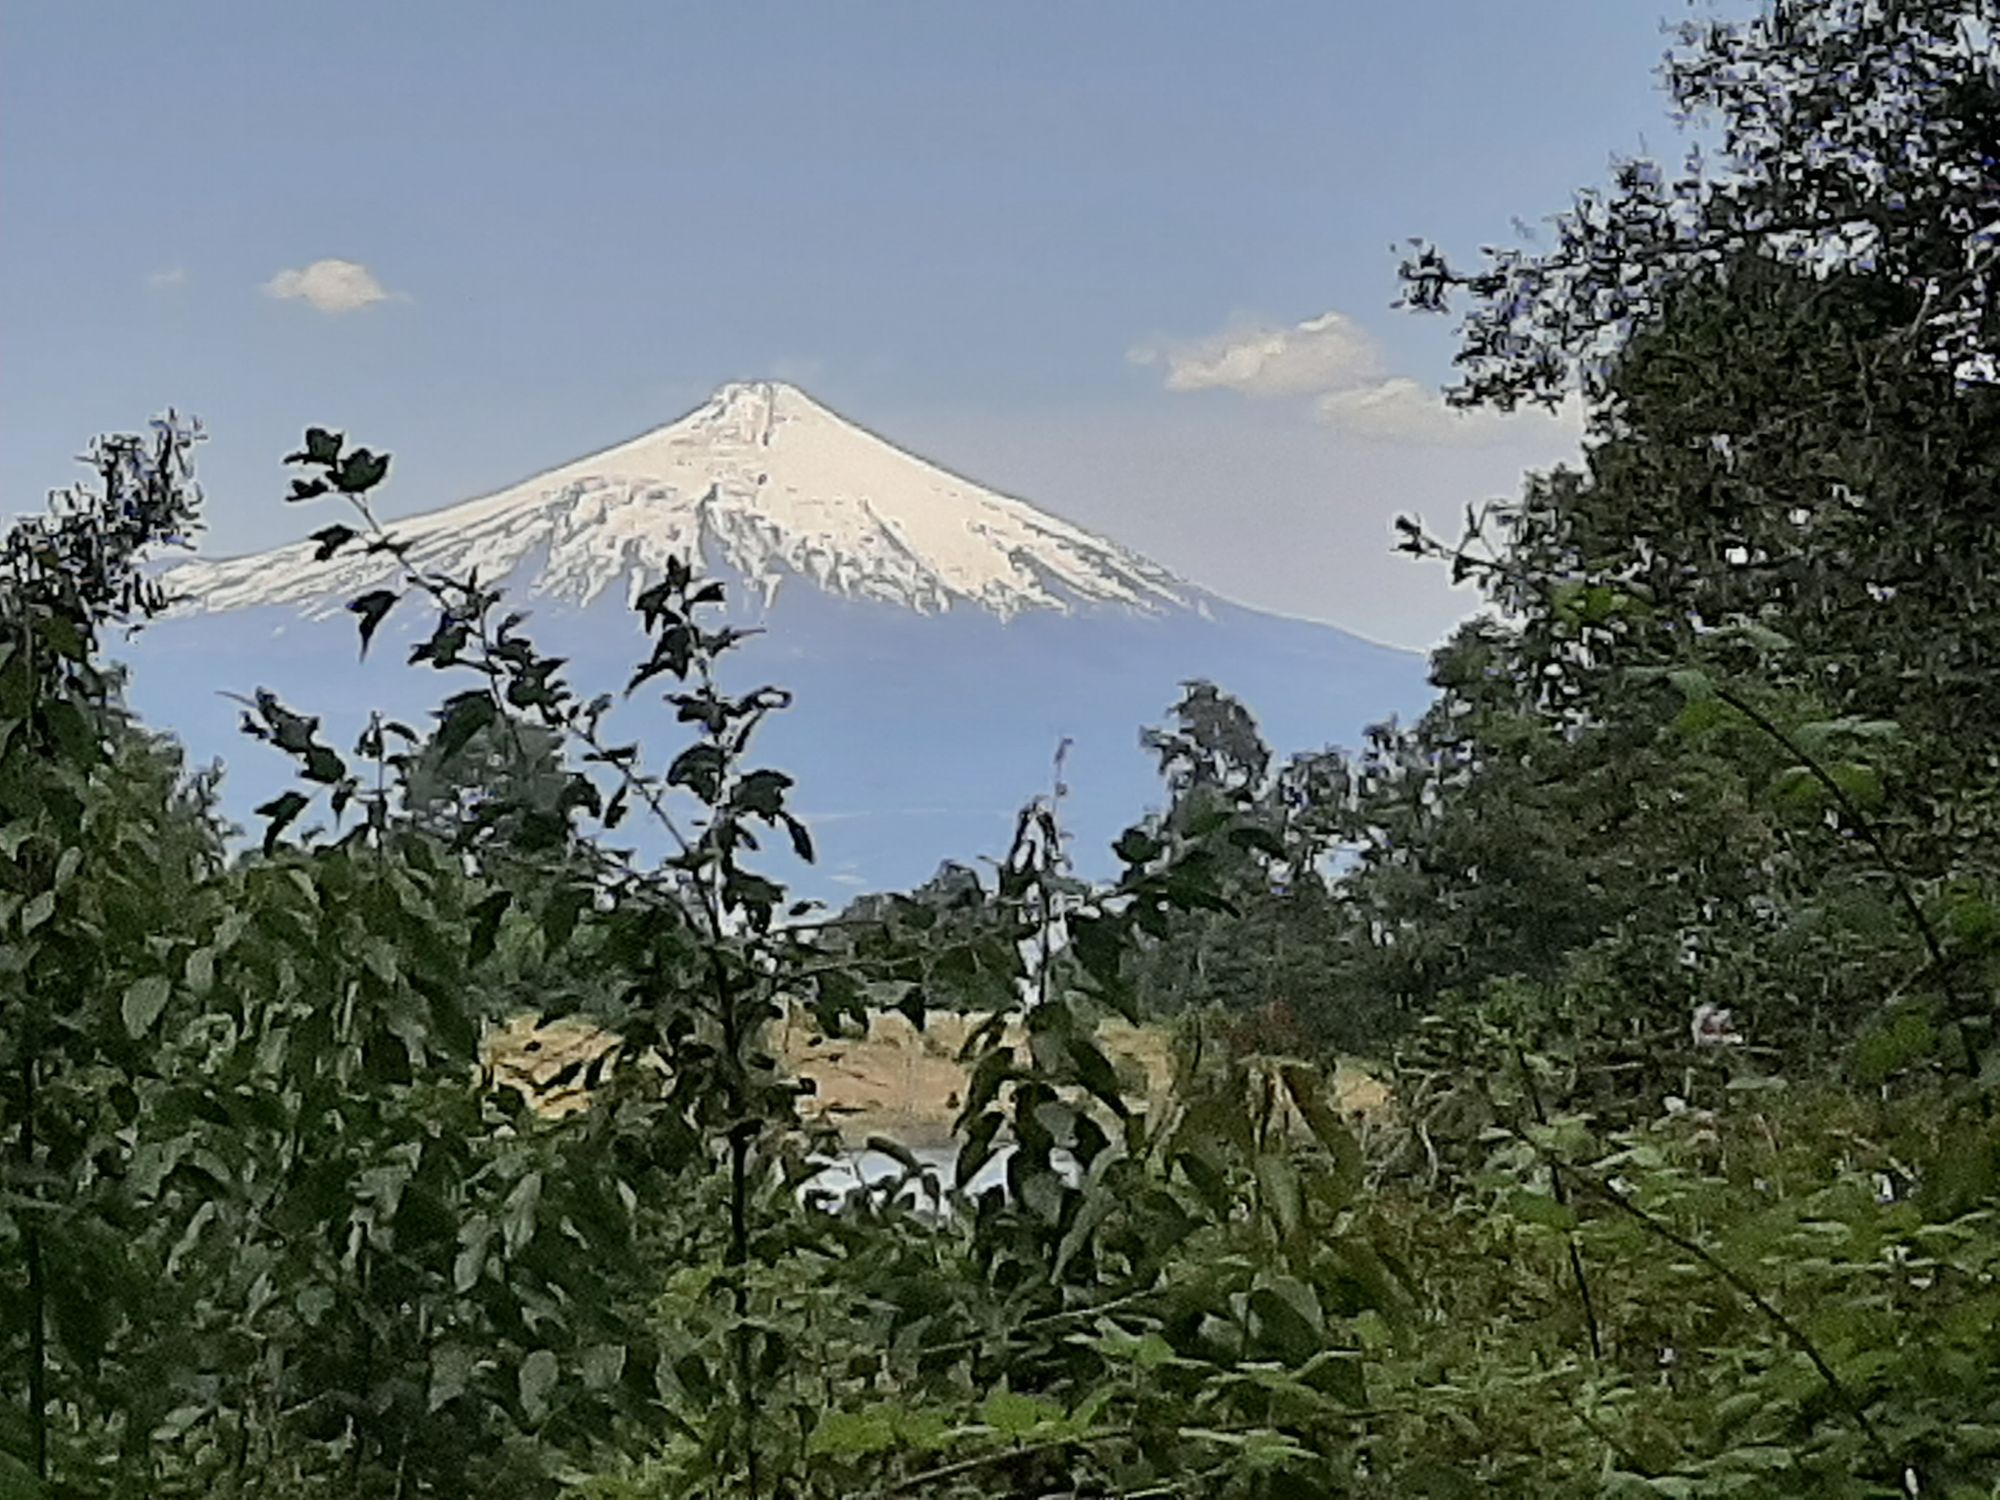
[{"x": 101, "y": 842}]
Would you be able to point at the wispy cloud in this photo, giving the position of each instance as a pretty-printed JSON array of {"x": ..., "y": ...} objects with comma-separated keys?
[
  {"x": 852, "y": 814},
  {"x": 332, "y": 286},
  {"x": 1317, "y": 355},
  {"x": 1338, "y": 364},
  {"x": 167, "y": 278},
  {"x": 1404, "y": 410}
]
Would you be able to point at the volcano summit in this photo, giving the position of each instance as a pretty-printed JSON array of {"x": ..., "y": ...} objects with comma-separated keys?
[
  {"x": 940, "y": 639},
  {"x": 764, "y": 483}
]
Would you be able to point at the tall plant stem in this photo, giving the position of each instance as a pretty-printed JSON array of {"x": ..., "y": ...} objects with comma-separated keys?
[
  {"x": 739, "y": 1262},
  {"x": 736, "y": 1258},
  {"x": 38, "y": 1321},
  {"x": 1560, "y": 1189},
  {"x": 31, "y": 1233}
]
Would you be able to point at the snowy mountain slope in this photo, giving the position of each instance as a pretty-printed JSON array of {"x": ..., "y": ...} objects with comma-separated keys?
[{"x": 761, "y": 480}]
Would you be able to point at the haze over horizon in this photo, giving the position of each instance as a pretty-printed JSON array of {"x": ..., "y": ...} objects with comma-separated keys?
[{"x": 501, "y": 242}]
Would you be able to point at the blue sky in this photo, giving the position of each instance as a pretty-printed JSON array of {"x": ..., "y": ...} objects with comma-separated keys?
[{"x": 1041, "y": 243}]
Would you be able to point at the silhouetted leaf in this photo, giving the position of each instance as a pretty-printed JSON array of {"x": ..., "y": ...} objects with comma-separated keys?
[
  {"x": 360, "y": 471},
  {"x": 322, "y": 447},
  {"x": 280, "y": 813},
  {"x": 460, "y": 719},
  {"x": 371, "y": 607}
]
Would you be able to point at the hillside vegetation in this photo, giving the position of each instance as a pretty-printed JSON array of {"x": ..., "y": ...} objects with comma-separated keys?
[{"x": 1673, "y": 928}]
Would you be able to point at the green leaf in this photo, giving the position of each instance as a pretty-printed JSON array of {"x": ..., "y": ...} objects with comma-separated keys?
[
  {"x": 852, "y": 1434},
  {"x": 602, "y": 1365},
  {"x": 1861, "y": 784},
  {"x": 1095, "y": 1073},
  {"x": 144, "y": 1000},
  {"x": 1308, "y": 1097},
  {"x": 1149, "y": 1352},
  {"x": 1279, "y": 1190},
  {"x": 17, "y": 687},
  {"x": 1256, "y": 836},
  {"x": 451, "y": 1370},
  {"x": 560, "y": 915},
  {"x": 1098, "y": 943},
  {"x": 1894, "y": 1044},
  {"x": 1763, "y": 637},
  {"x": 38, "y": 909},
  {"x": 518, "y": 1214},
  {"x": 485, "y": 936},
  {"x": 1700, "y": 715},
  {"x": 1540, "y": 1208},
  {"x": 1693, "y": 683},
  {"x": 322, "y": 765},
  {"x": 1135, "y": 846},
  {"x": 539, "y": 1372},
  {"x": 378, "y": 956},
  {"x": 63, "y": 636},
  {"x": 1798, "y": 788},
  {"x": 470, "y": 1261},
  {"x": 1017, "y": 1415},
  {"x": 85, "y": 1288}
]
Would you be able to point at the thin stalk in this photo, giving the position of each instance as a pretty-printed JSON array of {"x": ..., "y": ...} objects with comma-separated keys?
[
  {"x": 739, "y": 1257},
  {"x": 743, "y": 1126},
  {"x": 31, "y": 1233},
  {"x": 38, "y": 1321},
  {"x": 1560, "y": 1190}
]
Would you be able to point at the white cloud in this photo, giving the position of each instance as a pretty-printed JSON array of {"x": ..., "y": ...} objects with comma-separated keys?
[
  {"x": 1403, "y": 410},
  {"x": 1337, "y": 363},
  {"x": 170, "y": 276},
  {"x": 1261, "y": 360},
  {"x": 332, "y": 286}
]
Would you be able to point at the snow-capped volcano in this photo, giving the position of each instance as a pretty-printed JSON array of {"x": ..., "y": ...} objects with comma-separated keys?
[
  {"x": 761, "y": 480},
  {"x": 940, "y": 641}
]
